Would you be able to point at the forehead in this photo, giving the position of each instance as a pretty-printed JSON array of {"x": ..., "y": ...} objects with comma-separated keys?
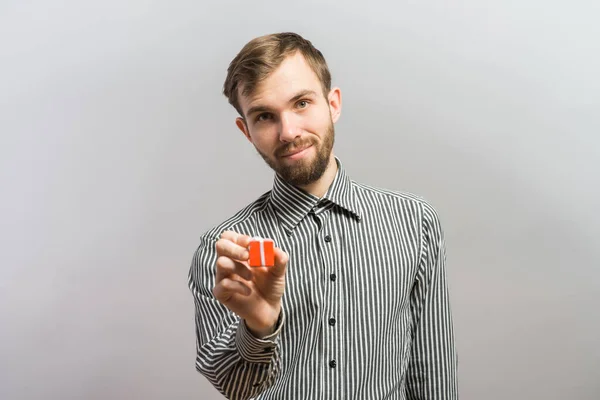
[{"x": 292, "y": 76}]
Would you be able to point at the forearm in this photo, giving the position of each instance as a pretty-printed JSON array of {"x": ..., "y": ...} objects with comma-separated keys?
[
  {"x": 235, "y": 361},
  {"x": 238, "y": 364},
  {"x": 433, "y": 365}
]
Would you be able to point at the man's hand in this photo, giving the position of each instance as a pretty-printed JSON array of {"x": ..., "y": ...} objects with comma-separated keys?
[{"x": 253, "y": 293}]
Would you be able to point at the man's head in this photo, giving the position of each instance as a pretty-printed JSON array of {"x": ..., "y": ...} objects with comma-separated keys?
[{"x": 281, "y": 87}]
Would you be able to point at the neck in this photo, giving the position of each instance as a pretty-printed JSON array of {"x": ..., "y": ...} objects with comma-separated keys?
[{"x": 319, "y": 187}]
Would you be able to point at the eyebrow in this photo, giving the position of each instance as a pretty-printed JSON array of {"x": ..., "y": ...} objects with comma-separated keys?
[{"x": 296, "y": 97}]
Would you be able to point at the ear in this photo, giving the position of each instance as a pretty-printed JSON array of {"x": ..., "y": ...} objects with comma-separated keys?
[
  {"x": 335, "y": 103},
  {"x": 241, "y": 124}
]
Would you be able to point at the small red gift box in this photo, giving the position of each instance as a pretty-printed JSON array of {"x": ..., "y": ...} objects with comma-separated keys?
[{"x": 262, "y": 253}]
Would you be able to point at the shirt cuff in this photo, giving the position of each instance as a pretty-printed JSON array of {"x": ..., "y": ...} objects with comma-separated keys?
[{"x": 253, "y": 349}]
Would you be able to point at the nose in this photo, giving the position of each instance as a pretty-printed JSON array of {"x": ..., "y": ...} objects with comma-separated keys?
[{"x": 289, "y": 129}]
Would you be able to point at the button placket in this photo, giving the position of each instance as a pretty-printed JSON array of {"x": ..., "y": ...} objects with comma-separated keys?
[
  {"x": 330, "y": 307},
  {"x": 321, "y": 218}
]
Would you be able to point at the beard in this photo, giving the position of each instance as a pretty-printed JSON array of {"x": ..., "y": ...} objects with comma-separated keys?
[{"x": 304, "y": 171}]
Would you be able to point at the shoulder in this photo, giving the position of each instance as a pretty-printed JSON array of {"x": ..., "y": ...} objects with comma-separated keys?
[
  {"x": 403, "y": 200},
  {"x": 238, "y": 219}
]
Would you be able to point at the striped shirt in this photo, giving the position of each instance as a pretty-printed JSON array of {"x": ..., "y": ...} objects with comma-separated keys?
[{"x": 365, "y": 312}]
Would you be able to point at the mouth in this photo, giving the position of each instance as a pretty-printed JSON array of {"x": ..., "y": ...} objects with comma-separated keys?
[{"x": 297, "y": 153}]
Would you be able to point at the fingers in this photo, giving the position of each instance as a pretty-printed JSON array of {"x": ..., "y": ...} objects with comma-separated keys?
[
  {"x": 229, "y": 249},
  {"x": 233, "y": 246},
  {"x": 227, "y": 267},
  {"x": 281, "y": 260},
  {"x": 230, "y": 267},
  {"x": 226, "y": 288},
  {"x": 237, "y": 238}
]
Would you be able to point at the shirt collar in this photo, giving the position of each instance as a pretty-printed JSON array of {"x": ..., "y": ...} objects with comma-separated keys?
[{"x": 292, "y": 204}]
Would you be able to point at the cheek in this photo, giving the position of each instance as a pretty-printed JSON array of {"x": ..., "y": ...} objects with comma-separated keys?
[
  {"x": 265, "y": 139},
  {"x": 316, "y": 120}
]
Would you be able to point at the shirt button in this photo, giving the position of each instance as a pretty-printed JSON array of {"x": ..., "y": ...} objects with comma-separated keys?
[
  {"x": 332, "y": 277},
  {"x": 332, "y": 363},
  {"x": 328, "y": 238},
  {"x": 332, "y": 321}
]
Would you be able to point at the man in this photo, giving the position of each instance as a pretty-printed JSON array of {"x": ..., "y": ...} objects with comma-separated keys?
[{"x": 356, "y": 305}]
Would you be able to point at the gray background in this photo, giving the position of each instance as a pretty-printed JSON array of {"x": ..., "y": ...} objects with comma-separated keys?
[{"x": 117, "y": 151}]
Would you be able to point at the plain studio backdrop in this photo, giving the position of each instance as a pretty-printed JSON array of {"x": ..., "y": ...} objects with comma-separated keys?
[{"x": 118, "y": 150}]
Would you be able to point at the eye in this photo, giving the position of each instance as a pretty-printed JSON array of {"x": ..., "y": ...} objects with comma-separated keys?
[
  {"x": 263, "y": 117},
  {"x": 302, "y": 104}
]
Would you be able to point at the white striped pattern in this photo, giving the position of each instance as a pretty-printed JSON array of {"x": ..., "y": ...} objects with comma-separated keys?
[{"x": 381, "y": 277}]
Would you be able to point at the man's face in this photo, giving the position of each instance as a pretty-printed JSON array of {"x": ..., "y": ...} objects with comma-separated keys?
[{"x": 290, "y": 121}]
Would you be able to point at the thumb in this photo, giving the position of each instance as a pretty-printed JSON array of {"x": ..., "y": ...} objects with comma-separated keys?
[{"x": 281, "y": 260}]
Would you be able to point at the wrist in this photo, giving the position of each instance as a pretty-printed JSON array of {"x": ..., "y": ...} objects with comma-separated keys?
[{"x": 262, "y": 330}]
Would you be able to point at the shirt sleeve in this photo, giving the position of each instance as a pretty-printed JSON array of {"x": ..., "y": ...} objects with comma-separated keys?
[
  {"x": 237, "y": 363},
  {"x": 432, "y": 371}
]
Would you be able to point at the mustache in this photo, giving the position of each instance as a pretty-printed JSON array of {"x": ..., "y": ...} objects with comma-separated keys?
[{"x": 293, "y": 146}]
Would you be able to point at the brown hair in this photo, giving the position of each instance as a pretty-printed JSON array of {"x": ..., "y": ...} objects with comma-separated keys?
[{"x": 262, "y": 55}]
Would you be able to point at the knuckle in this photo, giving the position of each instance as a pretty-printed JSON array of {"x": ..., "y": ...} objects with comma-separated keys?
[
  {"x": 221, "y": 290},
  {"x": 221, "y": 246},
  {"x": 228, "y": 235},
  {"x": 221, "y": 261},
  {"x": 226, "y": 284}
]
